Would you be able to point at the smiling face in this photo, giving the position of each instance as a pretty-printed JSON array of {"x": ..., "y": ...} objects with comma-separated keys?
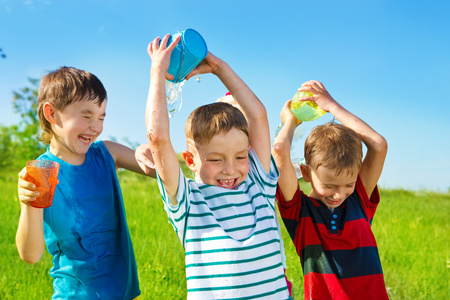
[
  {"x": 221, "y": 162},
  {"x": 329, "y": 188},
  {"x": 75, "y": 128}
]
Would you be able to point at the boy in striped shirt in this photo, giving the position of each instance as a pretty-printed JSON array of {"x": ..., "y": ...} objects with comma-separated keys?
[
  {"x": 331, "y": 228},
  {"x": 226, "y": 217}
]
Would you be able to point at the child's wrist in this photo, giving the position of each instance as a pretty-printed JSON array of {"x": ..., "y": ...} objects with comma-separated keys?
[
  {"x": 291, "y": 123},
  {"x": 158, "y": 71},
  {"x": 219, "y": 67}
]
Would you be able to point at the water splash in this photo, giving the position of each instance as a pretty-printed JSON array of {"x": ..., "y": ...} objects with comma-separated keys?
[
  {"x": 174, "y": 96},
  {"x": 198, "y": 78},
  {"x": 277, "y": 131},
  {"x": 297, "y": 162}
]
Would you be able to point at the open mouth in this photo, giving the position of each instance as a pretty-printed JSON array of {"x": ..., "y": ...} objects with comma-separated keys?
[
  {"x": 227, "y": 183},
  {"x": 85, "y": 138}
]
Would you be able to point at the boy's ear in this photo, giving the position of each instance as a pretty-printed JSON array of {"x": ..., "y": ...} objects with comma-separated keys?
[
  {"x": 306, "y": 172},
  {"x": 189, "y": 159},
  {"x": 49, "y": 112}
]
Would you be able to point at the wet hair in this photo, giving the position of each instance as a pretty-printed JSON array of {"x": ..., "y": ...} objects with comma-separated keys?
[
  {"x": 216, "y": 118},
  {"x": 335, "y": 147},
  {"x": 63, "y": 87}
]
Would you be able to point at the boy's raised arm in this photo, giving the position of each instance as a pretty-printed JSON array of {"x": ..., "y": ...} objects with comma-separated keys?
[
  {"x": 253, "y": 109},
  {"x": 281, "y": 152},
  {"x": 373, "y": 162},
  {"x": 157, "y": 117}
]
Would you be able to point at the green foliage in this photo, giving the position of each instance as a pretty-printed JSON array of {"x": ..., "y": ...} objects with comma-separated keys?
[
  {"x": 18, "y": 143},
  {"x": 411, "y": 228}
]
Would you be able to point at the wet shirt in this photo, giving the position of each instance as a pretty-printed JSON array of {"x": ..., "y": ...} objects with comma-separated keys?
[{"x": 86, "y": 231}]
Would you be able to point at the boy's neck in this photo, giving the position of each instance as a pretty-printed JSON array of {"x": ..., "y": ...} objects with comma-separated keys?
[{"x": 66, "y": 155}]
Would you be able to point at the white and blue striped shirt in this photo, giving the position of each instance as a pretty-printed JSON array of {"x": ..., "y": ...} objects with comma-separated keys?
[{"x": 231, "y": 239}]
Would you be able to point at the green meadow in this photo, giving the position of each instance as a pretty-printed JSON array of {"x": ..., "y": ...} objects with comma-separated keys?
[{"x": 411, "y": 228}]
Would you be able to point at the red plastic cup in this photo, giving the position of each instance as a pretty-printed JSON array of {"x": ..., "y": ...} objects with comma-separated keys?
[{"x": 44, "y": 174}]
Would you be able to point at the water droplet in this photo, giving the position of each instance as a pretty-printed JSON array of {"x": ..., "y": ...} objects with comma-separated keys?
[{"x": 198, "y": 78}]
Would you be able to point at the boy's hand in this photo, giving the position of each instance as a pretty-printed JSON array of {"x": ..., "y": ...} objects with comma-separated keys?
[
  {"x": 144, "y": 158},
  {"x": 27, "y": 190},
  {"x": 210, "y": 64},
  {"x": 160, "y": 53},
  {"x": 321, "y": 96},
  {"x": 287, "y": 116}
]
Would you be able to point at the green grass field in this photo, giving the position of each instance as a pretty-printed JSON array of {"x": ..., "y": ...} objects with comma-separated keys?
[{"x": 411, "y": 228}]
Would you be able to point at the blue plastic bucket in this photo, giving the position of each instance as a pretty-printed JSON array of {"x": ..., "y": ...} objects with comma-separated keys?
[{"x": 189, "y": 52}]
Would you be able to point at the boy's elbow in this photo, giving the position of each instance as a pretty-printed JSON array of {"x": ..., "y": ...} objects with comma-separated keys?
[
  {"x": 280, "y": 150},
  {"x": 30, "y": 258},
  {"x": 382, "y": 145},
  {"x": 157, "y": 140},
  {"x": 262, "y": 113}
]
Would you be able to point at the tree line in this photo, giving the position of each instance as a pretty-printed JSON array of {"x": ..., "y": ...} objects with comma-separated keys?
[{"x": 19, "y": 143}]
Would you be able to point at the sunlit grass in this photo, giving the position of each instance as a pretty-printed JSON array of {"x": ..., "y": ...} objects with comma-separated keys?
[{"x": 411, "y": 228}]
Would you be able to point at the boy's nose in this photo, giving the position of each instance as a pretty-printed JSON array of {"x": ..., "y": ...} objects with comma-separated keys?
[
  {"x": 96, "y": 126},
  {"x": 229, "y": 168},
  {"x": 339, "y": 195}
]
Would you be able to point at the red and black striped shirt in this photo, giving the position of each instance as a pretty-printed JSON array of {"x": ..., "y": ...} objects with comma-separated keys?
[{"x": 337, "y": 250}]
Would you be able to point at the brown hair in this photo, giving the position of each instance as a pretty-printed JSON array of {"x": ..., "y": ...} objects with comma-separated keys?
[
  {"x": 335, "y": 147},
  {"x": 208, "y": 120},
  {"x": 63, "y": 87}
]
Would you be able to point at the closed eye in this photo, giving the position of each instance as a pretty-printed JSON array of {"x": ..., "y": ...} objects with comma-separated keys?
[{"x": 214, "y": 160}]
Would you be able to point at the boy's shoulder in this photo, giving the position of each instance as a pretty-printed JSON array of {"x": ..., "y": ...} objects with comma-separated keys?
[{"x": 256, "y": 166}]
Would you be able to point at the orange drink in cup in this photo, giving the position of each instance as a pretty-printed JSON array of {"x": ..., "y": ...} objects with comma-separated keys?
[{"x": 43, "y": 174}]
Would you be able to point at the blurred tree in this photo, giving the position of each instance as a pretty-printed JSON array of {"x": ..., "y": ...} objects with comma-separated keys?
[
  {"x": 2, "y": 55},
  {"x": 18, "y": 143},
  {"x": 25, "y": 103}
]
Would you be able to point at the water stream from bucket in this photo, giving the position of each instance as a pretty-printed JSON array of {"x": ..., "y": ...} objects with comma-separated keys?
[{"x": 174, "y": 95}]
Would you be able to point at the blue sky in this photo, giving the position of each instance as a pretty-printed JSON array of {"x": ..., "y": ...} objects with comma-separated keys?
[{"x": 386, "y": 61}]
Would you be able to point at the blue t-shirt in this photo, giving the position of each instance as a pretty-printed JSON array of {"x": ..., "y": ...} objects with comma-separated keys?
[{"x": 86, "y": 231}]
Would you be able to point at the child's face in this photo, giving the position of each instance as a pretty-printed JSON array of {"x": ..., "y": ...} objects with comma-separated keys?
[
  {"x": 332, "y": 190},
  {"x": 75, "y": 128},
  {"x": 223, "y": 161}
]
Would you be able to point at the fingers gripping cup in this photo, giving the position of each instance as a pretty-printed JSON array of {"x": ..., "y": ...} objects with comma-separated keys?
[
  {"x": 305, "y": 110},
  {"x": 189, "y": 52},
  {"x": 44, "y": 174}
]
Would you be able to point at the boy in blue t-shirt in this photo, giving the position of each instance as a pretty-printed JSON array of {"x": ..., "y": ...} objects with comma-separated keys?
[{"x": 85, "y": 229}]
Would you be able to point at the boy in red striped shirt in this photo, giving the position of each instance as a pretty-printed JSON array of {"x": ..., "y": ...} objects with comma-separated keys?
[{"x": 331, "y": 228}]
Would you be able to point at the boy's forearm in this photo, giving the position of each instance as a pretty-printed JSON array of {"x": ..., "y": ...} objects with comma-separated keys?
[
  {"x": 287, "y": 181},
  {"x": 372, "y": 139},
  {"x": 286, "y": 134},
  {"x": 156, "y": 114},
  {"x": 30, "y": 234}
]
